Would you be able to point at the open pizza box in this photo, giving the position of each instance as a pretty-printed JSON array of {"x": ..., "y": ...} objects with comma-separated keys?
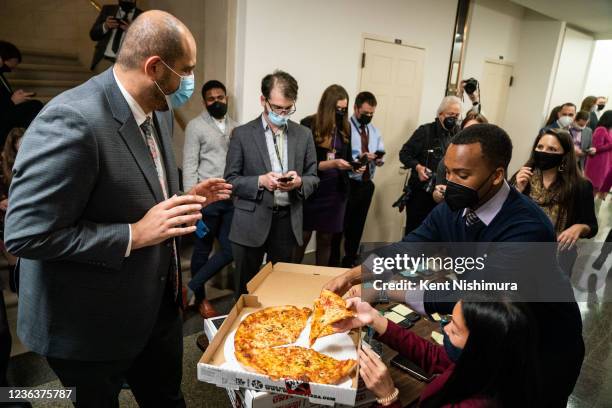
[{"x": 281, "y": 284}]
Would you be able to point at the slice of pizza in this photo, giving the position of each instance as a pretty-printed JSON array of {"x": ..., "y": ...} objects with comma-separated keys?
[
  {"x": 329, "y": 308},
  {"x": 299, "y": 363},
  {"x": 270, "y": 327}
]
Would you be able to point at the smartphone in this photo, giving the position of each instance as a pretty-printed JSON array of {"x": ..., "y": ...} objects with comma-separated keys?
[
  {"x": 356, "y": 165},
  {"x": 406, "y": 323},
  {"x": 379, "y": 154},
  {"x": 413, "y": 317},
  {"x": 285, "y": 179},
  {"x": 411, "y": 368}
]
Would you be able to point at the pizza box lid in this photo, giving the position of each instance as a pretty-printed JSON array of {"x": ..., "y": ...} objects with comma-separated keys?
[{"x": 281, "y": 284}]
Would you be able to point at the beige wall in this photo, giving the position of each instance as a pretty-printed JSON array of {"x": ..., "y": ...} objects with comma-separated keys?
[{"x": 57, "y": 25}]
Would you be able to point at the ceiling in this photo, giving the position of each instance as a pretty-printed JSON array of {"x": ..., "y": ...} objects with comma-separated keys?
[{"x": 592, "y": 16}]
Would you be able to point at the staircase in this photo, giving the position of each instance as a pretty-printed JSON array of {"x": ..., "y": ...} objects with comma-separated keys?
[{"x": 48, "y": 73}]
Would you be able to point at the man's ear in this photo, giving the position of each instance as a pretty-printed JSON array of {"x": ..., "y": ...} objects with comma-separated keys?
[
  {"x": 500, "y": 176},
  {"x": 152, "y": 67}
]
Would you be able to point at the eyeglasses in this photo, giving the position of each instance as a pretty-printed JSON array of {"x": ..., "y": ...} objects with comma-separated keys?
[{"x": 282, "y": 110}]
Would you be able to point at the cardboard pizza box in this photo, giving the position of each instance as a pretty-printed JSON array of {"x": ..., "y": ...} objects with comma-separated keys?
[{"x": 281, "y": 284}]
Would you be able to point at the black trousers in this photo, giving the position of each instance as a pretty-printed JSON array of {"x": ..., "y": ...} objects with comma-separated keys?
[
  {"x": 357, "y": 207},
  {"x": 154, "y": 375},
  {"x": 18, "y": 116},
  {"x": 279, "y": 246},
  {"x": 418, "y": 208},
  {"x": 5, "y": 342}
]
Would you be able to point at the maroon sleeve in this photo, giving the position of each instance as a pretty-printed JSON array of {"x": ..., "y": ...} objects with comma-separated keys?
[{"x": 430, "y": 357}]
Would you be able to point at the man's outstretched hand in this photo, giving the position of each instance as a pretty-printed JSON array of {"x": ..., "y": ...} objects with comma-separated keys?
[{"x": 213, "y": 189}]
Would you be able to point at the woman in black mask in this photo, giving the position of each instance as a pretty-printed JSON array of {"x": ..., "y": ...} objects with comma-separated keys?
[
  {"x": 487, "y": 360},
  {"x": 324, "y": 210},
  {"x": 552, "y": 179}
]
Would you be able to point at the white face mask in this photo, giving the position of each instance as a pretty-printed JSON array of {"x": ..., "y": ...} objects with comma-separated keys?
[{"x": 565, "y": 121}]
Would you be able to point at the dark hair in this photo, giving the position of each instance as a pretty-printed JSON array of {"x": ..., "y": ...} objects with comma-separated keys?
[
  {"x": 324, "y": 121},
  {"x": 499, "y": 360},
  {"x": 552, "y": 118},
  {"x": 582, "y": 115},
  {"x": 568, "y": 180},
  {"x": 9, "y": 51},
  {"x": 494, "y": 141},
  {"x": 212, "y": 84},
  {"x": 588, "y": 102},
  {"x": 287, "y": 85},
  {"x": 9, "y": 153},
  {"x": 473, "y": 115},
  {"x": 605, "y": 120},
  {"x": 365, "y": 97},
  {"x": 568, "y": 104},
  {"x": 146, "y": 38}
]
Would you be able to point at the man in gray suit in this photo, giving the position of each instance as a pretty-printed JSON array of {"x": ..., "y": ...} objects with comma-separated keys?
[
  {"x": 206, "y": 142},
  {"x": 94, "y": 214},
  {"x": 582, "y": 136},
  {"x": 272, "y": 166}
]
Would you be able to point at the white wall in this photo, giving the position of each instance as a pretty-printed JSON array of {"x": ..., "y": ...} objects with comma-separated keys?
[
  {"x": 495, "y": 30},
  {"x": 494, "y": 34},
  {"x": 599, "y": 77},
  {"x": 573, "y": 68},
  {"x": 320, "y": 42},
  {"x": 538, "y": 52}
]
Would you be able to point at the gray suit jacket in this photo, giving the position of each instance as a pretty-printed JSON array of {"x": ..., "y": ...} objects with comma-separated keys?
[
  {"x": 205, "y": 149},
  {"x": 84, "y": 173},
  {"x": 247, "y": 159},
  {"x": 586, "y": 140}
]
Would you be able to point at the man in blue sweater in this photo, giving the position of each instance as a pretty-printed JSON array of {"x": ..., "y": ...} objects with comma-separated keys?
[{"x": 480, "y": 206}]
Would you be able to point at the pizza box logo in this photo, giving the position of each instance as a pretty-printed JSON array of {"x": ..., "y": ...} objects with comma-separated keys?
[{"x": 297, "y": 388}]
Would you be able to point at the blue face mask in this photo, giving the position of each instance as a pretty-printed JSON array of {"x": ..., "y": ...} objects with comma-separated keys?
[
  {"x": 452, "y": 351},
  {"x": 276, "y": 119},
  {"x": 184, "y": 91}
]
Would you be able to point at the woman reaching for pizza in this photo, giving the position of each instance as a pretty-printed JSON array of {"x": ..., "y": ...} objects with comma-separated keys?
[{"x": 487, "y": 359}]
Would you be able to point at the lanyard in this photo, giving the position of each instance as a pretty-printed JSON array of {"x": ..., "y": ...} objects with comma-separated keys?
[{"x": 278, "y": 154}]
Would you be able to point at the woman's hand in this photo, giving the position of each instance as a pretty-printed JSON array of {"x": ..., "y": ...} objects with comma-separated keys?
[
  {"x": 375, "y": 374},
  {"x": 568, "y": 238},
  {"x": 365, "y": 315},
  {"x": 522, "y": 178},
  {"x": 342, "y": 164}
]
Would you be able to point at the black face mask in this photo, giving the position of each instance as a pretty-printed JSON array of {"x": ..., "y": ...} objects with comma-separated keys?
[
  {"x": 5, "y": 68},
  {"x": 217, "y": 110},
  {"x": 364, "y": 119},
  {"x": 339, "y": 116},
  {"x": 545, "y": 160},
  {"x": 458, "y": 196},
  {"x": 127, "y": 6},
  {"x": 449, "y": 122},
  {"x": 601, "y": 107}
]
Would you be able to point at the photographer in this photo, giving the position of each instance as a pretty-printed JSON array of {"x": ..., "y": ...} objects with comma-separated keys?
[
  {"x": 422, "y": 153},
  {"x": 108, "y": 32}
]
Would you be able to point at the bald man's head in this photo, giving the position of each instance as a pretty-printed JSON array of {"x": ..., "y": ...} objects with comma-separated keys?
[{"x": 154, "y": 33}]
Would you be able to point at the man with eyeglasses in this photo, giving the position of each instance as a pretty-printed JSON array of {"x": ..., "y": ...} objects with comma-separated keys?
[
  {"x": 272, "y": 166},
  {"x": 366, "y": 141},
  {"x": 422, "y": 153}
]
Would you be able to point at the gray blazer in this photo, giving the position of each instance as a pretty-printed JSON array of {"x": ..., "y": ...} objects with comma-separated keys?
[
  {"x": 205, "y": 149},
  {"x": 247, "y": 159},
  {"x": 84, "y": 173},
  {"x": 586, "y": 140}
]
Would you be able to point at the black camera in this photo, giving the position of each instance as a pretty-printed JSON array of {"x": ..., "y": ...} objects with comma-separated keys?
[
  {"x": 470, "y": 85},
  {"x": 400, "y": 203}
]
